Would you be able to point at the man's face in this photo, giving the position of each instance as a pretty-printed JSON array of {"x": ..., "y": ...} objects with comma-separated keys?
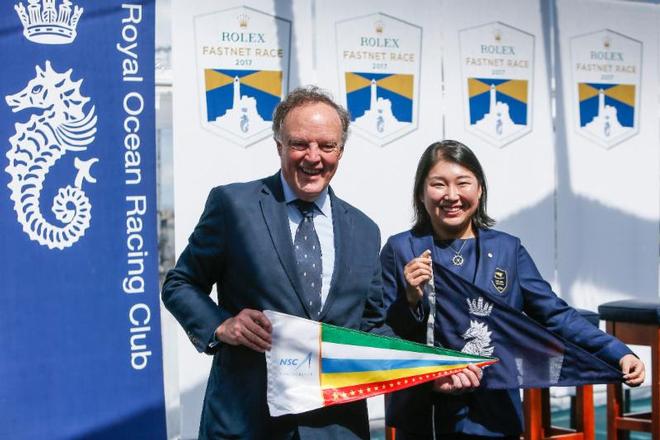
[{"x": 310, "y": 148}]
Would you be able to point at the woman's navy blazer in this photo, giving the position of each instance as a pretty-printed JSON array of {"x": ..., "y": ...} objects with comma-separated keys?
[{"x": 482, "y": 412}]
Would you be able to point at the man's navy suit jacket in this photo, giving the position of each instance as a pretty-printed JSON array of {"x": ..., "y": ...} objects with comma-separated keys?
[{"x": 243, "y": 244}]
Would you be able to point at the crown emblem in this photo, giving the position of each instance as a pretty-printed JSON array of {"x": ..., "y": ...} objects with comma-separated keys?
[
  {"x": 44, "y": 24},
  {"x": 479, "y": 307},
  {"x": 379, "y": 27},
  {"x": 607, "y": 42},
  {"x": 243, "y": 20},
  {"x": 497, "y": 35}
]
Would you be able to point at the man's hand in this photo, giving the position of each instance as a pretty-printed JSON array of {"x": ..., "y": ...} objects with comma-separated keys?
[
  {"x": 466, "y": 380},
  {"x": 417, "y": 272},
  {"x": 633, "y": 370},
  {"x": 250, "y": 328}
]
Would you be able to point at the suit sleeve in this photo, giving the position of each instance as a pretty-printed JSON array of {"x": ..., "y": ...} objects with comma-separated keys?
[
  {"x": 404, "y": 322},
  {"x": 543, "y": 305},
  {"x": 187, "y": 287},
  {"x": 373, "y": 316}
]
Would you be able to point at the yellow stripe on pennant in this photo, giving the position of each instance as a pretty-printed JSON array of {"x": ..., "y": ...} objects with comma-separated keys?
[
  {"x": 269, "y": 81},
  {"x": 399, "y": 84},
  {"x": 339, "y": 380},
  {"x": 214, "y": 80},
  {"x": 355, "y": 82},
  {"x": 623, "y": 92},
  {"x": 515, "y": 88}
]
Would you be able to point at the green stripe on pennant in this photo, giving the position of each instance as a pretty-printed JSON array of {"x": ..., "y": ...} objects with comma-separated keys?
[{"x": 340, "y": 335}]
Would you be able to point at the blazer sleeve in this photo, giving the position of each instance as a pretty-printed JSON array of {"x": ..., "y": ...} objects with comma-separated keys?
[
  {"x": 404, "y": 322},
  {"x": 187, "y": 287},
  {"x": 543, "y": 305}
]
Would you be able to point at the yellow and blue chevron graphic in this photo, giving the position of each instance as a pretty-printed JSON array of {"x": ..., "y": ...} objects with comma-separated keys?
[
  {"x": 619, "y": 96},
  {"x": 395, "y": 87},
  {"x": 265, "y": 86},
  {"x": 512, "y": 92}
]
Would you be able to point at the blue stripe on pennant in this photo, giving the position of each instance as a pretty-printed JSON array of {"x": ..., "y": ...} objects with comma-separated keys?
[{"x": 329, "y": 365}]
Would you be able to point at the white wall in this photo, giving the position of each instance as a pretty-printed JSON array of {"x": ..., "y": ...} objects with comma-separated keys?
[{"x": 588, "y": 215}]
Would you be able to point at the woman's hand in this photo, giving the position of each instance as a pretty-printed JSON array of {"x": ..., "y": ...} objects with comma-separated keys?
[
  {"x": 417, "y": 272},
  {"x": 633, "y": 370},
  {"x": 466, "y": 380}
]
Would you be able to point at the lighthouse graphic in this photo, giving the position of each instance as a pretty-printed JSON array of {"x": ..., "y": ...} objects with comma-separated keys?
[
  {"x": 607, "y": 111},
  {"x": 498, "y": 107},
  {"x": 380, "y": 104},
  {"x": 242, "y": 101},
  {"x": 243, "y": 113},
  {"x": 378, "y": 116}
]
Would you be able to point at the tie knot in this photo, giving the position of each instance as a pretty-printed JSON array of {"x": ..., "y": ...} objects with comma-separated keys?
[{"x": 305, "y": 208}]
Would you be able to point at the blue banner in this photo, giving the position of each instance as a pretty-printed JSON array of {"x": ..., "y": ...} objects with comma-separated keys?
[{"x": 80, "y": 350}]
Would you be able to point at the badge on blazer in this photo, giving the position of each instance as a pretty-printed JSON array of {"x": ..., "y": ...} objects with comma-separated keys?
[{"x": 500, "y": 280}]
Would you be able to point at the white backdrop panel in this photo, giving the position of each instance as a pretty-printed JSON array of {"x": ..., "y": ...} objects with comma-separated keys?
[
  {"x": 608, "y": 144},
  {"x": 364, "y": 47},
  {"x": 395, "y": 41},
  {"x": 495, "y": 70},
  {"x": 412, "y": 76}
]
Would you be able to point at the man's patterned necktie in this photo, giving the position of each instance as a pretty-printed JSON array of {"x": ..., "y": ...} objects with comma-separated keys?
[{"x": 308, "y": 256}]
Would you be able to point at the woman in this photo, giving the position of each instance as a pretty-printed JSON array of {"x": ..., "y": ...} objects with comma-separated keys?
[{"x": 450, "y": 212}]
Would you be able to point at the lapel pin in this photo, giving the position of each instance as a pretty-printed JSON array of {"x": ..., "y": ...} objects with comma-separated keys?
[{"x": 490, "y": 255}]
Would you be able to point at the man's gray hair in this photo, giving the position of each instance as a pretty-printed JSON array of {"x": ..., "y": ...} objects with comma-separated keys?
[{"x": 308, "y": 95}]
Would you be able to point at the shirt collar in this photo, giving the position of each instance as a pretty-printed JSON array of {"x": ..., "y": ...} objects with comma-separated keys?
[{"x": 322, "y": 201}]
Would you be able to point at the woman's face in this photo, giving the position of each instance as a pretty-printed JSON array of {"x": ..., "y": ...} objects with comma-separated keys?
[{"x": 451, "y": 197}]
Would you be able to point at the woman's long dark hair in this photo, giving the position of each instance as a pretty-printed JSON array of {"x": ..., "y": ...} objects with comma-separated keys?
[{"x": 449, "y": 151}]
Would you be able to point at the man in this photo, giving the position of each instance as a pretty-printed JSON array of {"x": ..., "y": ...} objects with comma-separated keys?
[
  {"x": 285, "y": 243},
  {"x": 244, "y": 242}
]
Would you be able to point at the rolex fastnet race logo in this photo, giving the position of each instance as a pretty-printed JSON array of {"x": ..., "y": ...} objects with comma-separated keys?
[
  {"x": 243, "y": 66},
  {"x": 379, "y": 63},
  {"x": 606, "y": 69},
  {"x": 497, "y": 69}
]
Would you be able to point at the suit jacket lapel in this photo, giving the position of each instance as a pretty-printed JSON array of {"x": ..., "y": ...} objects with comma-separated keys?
[
  {"x": 420, "y": 243},
  {"x": 342, "y": 229},
  {"x": 275, "y": 215}
]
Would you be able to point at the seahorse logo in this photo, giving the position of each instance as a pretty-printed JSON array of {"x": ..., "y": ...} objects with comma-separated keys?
[
  {"x": 478, "y": 340},
  {"x": 62, "y": 126}
]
